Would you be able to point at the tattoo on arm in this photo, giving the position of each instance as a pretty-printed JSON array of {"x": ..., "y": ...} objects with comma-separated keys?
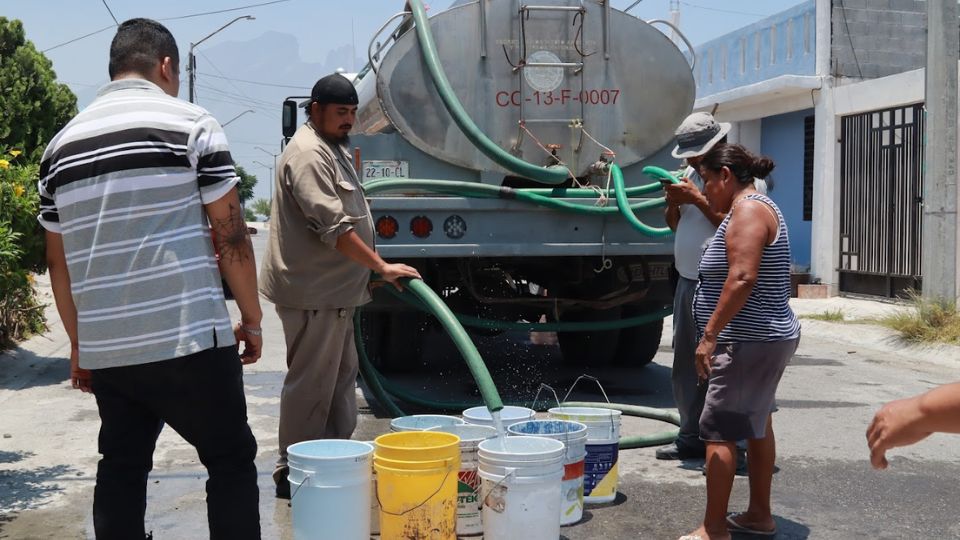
[{"x": 232, "y": 241}]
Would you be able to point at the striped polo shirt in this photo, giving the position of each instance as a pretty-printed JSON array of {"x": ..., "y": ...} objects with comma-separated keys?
[
  {"x": 124, "y": 183},
  {"x": 767, "y": 315}
]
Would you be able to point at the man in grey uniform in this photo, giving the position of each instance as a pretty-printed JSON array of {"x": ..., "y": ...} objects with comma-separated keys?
[{"x": 317, "y": 270}]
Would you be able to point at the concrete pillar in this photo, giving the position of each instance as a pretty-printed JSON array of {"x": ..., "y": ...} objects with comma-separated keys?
[
  {"x": 939, "y": 258},
  {"x": 825, "y": 240}
]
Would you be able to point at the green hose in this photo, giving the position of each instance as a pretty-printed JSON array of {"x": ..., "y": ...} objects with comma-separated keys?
[
  {"x": 460, "y": 338},
  {"x": 659, "y": 174},
  {"x": 583, "y": 193},
  {"x": 624, "y": 206},
  {"x": 639, "y": 441},
  {"x": 560, "y": 326},
  {"x": 548, "y": 175},
  {"x": 383, "y": 389},
  {"x": 473, "y": 189}
]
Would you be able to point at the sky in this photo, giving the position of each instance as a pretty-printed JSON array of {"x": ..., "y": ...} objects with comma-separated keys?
[{"x": 253, "y": 65}]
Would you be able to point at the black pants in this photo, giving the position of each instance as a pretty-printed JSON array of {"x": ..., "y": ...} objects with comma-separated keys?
[{"x": 201, "y": 397}]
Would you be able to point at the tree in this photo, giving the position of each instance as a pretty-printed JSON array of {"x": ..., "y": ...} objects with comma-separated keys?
[
  {"x": 35, "y": 107},
  {"x": 245, "y": 187},
  {"x": 248, "y": 215},
  {"x": 262, "y": 207}
]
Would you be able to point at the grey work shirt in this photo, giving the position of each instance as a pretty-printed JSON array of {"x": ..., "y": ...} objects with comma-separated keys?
[{"x": 318, "y": 198}]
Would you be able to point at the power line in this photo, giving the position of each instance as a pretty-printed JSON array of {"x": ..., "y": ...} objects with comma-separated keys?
[
  {"x": 223, "y": 10},
  {"x": 214, "y": 66},
  {"x": 259, "y": 83},
  {"x": 110, "y": 11},
  {"x": 224, "y": 93},
  {"x": 723, "y": 10},
  {"x": 95, "y": 32}
]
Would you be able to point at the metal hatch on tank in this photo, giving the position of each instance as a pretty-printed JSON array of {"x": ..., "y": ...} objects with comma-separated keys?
[{"x": 531, "y": 75}]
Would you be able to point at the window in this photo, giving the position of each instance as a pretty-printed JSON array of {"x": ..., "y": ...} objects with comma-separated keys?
[
  {"x": 789, "y": 40},
  {"x": 773, "y": 45},
  {"x": 757, "y": 45},
  {"x": 710, "y": 66},
  {"x": 723, "y": 62},
  {"x": 743, "y": 55},
  {"x": 808, "y": 137}
]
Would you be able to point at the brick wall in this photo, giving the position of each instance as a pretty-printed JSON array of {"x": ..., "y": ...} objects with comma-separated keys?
[{"x": 888, "y": 37}]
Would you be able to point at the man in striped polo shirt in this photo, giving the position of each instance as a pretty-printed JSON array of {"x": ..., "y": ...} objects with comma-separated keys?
[{"x": 127, "y": 190}]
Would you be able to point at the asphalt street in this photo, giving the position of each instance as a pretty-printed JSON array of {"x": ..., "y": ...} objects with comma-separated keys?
[{"x": 824, "y": 487}]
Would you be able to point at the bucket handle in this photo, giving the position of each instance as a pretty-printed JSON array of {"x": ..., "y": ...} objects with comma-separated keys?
[
  {"x": 306, "y": 479},
  {"x": 385, "y": 511},
  {"x": 510, "y": 472},
  {"x": 604, "y": 392},
  {"x": 536, "y": 397},
  {"x": 589, "y": 378}
]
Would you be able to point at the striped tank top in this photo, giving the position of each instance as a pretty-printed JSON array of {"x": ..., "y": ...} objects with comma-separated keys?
[{"x": 767, "y": 315}]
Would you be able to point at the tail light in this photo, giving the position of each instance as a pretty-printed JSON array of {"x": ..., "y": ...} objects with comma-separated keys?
[
  {"x": 387, "y": 227},
  {"x": 455, "y": 227},
  {"x": 421, "y": 226}
]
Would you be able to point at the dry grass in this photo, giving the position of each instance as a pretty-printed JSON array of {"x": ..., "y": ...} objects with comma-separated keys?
[
  {"x": 835, "y": 315},
  {"x": 926, "y": 321}
]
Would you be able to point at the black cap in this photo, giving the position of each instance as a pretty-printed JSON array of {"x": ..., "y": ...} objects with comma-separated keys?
[{"x": 333, "y": 88}]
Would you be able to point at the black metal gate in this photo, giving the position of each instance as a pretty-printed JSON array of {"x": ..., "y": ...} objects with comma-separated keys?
[{"x": 881, "y": 179}]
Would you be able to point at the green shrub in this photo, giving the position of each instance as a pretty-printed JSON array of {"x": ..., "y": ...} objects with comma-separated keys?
[{"x": 21, "y": 250}]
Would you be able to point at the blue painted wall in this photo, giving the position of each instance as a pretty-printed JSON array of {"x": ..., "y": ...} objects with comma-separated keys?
[
  {"x": 732, "y": 60},
  {"x": 781, "y": 139}
]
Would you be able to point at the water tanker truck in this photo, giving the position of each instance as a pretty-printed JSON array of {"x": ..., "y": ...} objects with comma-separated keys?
[{"x": 485, "y": 139}]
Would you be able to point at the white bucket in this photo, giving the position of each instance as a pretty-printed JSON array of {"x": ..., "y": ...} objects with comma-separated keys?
[
  {"x": 330, "y": 489},
  {"x": 469, "y": 522},
  {"x": 423, "y": 422},
  {"x": 508, "y": 415},
  {"x": 600, "y": 471},
  {"x": 520, "y": 487},
  {"x": 573, "y": 435}
]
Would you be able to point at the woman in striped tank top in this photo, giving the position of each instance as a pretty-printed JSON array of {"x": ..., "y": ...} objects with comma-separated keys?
[{"x": 748, "y": 333}]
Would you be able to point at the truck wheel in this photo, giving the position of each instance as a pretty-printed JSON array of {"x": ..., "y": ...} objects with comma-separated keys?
[
  {"x": 638, "y": 344},
  {"x": 590, "y": 349}
]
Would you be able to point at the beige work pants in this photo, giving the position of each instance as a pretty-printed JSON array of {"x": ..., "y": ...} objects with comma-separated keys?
[{"x": 319, "y": 399}]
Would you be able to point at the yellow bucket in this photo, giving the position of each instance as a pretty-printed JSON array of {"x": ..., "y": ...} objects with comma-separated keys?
[{"x": 417, "y": 484}]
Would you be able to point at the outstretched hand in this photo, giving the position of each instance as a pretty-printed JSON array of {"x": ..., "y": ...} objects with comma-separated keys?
[{"x": 893, "y": 426}]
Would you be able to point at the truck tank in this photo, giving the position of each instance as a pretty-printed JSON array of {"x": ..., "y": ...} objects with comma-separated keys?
[{"x": 536, "y": 79}]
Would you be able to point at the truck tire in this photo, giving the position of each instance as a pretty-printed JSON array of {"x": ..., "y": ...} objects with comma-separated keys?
[
  {"x": 639, "y": 344},
  {"x": 589, "y": 349},
  {"x": 400, "y": 348}
]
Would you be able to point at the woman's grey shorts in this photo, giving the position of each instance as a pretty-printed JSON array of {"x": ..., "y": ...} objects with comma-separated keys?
[{"x": 743, "y": 385}]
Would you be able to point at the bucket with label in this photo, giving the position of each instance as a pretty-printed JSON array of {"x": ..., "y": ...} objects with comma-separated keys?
[
  {"x": 520, "y": 487},
  {"x": 423, "y": 422},
  {"x": 330, "y": 489},
  {"x": 417, "y": 484},
  {"x": 573, "y": 435},
  {"x": 510, "y": 414},
  {"x": 469, "y": 521},
  {"x": 600, "y": 474}
]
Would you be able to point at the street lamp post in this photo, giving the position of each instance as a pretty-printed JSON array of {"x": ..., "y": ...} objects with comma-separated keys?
[
  {"x": 192, "y": 60},
  {"x": 270, "y": 185},
  {"x": 235, "y": 117},
  {"x": 269, "y": 153}
]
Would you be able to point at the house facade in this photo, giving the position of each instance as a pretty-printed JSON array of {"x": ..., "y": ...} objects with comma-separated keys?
[{"x": 832, "y": 91}]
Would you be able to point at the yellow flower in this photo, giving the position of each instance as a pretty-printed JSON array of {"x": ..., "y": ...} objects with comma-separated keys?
[
  {"x": 18, "y": 190},
  {"x": 4, "y": 164},
  {"x": 30, "y": 278},
  {"x": 16, "y": 153}
]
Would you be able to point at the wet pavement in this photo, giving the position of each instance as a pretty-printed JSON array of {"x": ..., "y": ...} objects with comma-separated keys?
[{"x": 824, "y": 487}]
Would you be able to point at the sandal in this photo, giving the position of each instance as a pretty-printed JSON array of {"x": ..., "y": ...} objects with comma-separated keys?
[{"x": 733, "y": 526}]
